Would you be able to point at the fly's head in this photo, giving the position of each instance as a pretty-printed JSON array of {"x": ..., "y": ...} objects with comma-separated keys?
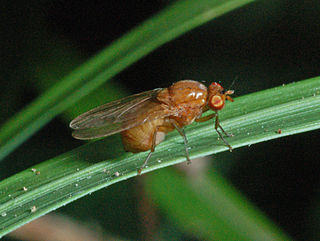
[{"x": 218, "y": 96}]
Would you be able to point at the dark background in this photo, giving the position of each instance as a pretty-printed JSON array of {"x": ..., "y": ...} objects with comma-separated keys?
[{"x": 265, "y": 44}]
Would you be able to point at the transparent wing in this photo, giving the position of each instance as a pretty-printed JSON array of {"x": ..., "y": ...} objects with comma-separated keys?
[{"x": 119, "y": 115}]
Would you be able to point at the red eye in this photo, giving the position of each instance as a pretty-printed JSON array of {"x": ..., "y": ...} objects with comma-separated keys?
[{"x": 216, "y": 102}]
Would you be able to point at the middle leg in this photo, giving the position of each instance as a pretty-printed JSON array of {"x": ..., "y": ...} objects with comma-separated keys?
[{"x": 181, "y": 132}]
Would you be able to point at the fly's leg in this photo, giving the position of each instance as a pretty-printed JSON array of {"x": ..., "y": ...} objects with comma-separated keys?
[
  {"x": 206, "y": 118},
  {"x": 181, "y": 132},
  {"x": 153, "y": 146},
  {"x": 145, "y": 162},
  {"x": 217, "y": 125}
]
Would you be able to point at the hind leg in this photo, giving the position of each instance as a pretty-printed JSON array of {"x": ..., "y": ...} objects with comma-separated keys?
[{"x": 153, "y": 146}]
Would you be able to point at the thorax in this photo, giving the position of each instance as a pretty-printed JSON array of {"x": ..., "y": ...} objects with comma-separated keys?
[{"x": 186, "y": 100}]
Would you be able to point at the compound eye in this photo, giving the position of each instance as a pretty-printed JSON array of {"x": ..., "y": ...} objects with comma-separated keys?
[{"x": 216, "y": 102}]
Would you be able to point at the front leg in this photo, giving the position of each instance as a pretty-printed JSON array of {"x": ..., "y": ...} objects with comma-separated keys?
[
  {"x": 216, "y": 126},
  {"x": 206, "y": 118}
]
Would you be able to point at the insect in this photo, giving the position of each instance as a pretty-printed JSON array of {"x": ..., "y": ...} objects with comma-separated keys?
[{"x": 144, "y": 119}]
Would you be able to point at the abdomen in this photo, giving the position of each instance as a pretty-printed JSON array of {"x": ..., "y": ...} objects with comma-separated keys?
[{"x": 139, "y": 138}]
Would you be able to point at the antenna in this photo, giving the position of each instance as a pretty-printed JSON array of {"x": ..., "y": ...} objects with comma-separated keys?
[{"x": 234, "y": 80}]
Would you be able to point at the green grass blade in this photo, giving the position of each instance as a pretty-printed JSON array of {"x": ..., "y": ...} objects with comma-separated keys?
[
  {"x": 209, "y": 208},
  {"x": 253, "y": 118},
  {"x": 163, "y": 27}
]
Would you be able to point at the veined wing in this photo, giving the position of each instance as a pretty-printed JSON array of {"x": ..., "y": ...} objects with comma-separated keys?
[{"x": 119, "y": 115}]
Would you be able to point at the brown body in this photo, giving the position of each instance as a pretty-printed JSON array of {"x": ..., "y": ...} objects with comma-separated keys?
[
  {"x": 187, "y": 97},
  {"x": 144, "y": 119}
]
